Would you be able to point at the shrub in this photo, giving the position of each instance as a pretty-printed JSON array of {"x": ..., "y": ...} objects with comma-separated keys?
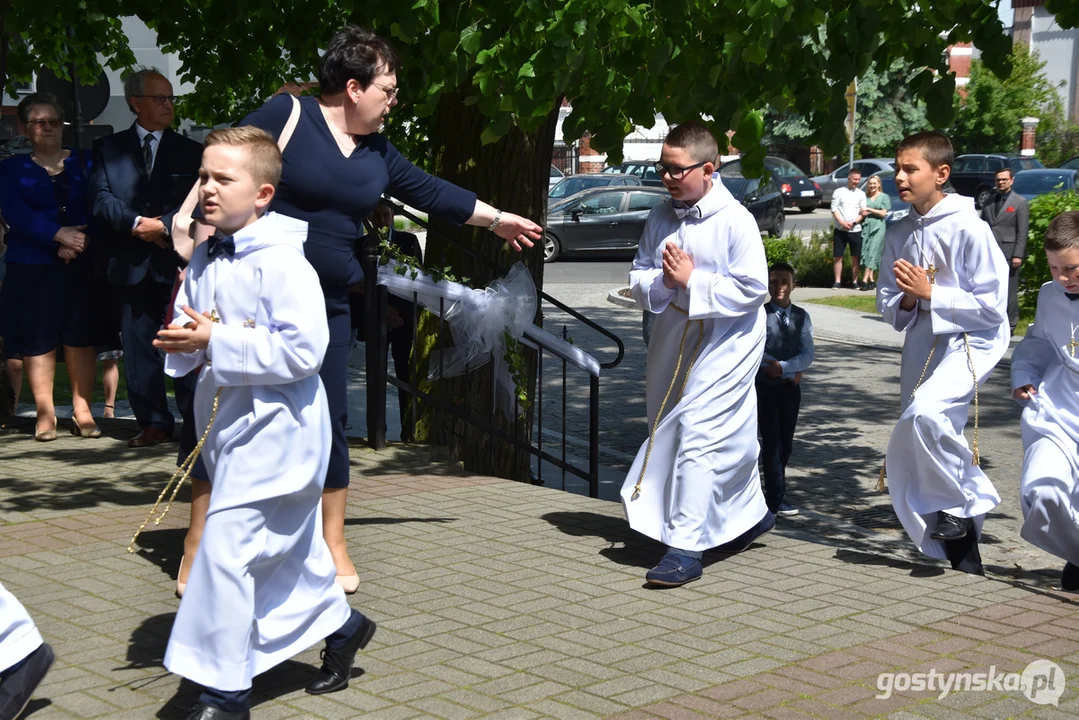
[
  {"x": 1035, "y": 270},
  {"x": 812, "y": 260},
  {"x": 780, "y": 249}
]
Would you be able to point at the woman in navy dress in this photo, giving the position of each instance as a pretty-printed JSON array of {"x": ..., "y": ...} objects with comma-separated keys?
[
  {"x": 336, "y": 167},
  {"x": 47, "y": 299}
]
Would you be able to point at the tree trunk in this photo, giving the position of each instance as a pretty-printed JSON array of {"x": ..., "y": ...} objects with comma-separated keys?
[{"x": 512, "y": 175}]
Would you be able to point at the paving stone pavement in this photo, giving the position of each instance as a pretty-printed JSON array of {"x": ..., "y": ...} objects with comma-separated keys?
[{"x": 502, "y": 599}]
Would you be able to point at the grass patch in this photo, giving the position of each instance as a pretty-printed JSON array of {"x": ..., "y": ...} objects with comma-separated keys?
[
  {"x": 868, "y": 304},
  {"x": 861, "y": 303}
]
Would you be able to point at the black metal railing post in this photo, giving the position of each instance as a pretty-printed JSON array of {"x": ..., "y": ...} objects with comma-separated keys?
[
  {"x": 374, "y": 309},
  {"x": 593, "y": 436}
]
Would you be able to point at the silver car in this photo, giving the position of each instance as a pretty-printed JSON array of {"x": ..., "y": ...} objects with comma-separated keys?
[{"x": 838, "y": 177}]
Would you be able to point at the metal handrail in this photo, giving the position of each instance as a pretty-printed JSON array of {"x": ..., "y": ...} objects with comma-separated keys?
[{"x": 400, "y": 210}]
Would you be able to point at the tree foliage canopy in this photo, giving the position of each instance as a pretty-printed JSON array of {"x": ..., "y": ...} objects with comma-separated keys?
[
  {"x": 618, "y": 62},
  {"x": 989, "y": 115}
]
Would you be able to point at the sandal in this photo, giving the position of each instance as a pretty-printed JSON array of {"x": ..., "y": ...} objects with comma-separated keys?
[{"x": 110, "y": 412}]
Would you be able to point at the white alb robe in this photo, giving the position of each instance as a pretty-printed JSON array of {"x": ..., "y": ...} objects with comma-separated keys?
[
  {"x": 1049, "y": 489},
  {"x": 701, "y": 487},
  {"x": 19, "y": 635},
  {"x": 929, "y": 461},
  {"x": 262, "y": 585}
]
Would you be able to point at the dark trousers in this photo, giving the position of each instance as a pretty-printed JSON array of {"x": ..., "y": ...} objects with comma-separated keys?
[
  {"x": 777, "y": 416},
  {"x": 334, "y": 374},
  {"x": 142, "y": 312},
  {"x": 1013, "y": 295}
]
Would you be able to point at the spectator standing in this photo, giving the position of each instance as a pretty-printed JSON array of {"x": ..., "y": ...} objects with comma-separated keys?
[
  {"x": 47, "y": 300},
  {"x": 848, "y": 206},
  {"x": 140, "y": 176},
  {"x": 1008, "y": 214},
  {"x": 878, "y": 205}
]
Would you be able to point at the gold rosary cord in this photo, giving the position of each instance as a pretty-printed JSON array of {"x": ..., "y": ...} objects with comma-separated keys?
[
  {"x": 674, "y": 378},
  {"x": 182, "y": 474}
]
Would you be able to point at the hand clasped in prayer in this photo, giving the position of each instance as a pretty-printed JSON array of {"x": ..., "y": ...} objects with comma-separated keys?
[
  {"x": 913, "y": 281},
  {"x": 677, "y": 266},
  {"x": 187, "y": 338}
]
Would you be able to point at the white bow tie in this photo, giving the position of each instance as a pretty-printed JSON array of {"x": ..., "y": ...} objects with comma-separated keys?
[{"x": 682, "y": 212}]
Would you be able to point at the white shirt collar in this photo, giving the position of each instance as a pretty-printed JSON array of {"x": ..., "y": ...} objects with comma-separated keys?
[{"x": 143, "y": 132}]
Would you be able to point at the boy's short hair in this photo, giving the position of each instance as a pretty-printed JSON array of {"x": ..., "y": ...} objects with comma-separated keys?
[
  {"x": 934, "y": 146},
  {"x": 696, "y": 139},
  {"x": 783, "y": 267},
  {"x": 265, "y": 157},
  {"x": 1063, "y": 232}
]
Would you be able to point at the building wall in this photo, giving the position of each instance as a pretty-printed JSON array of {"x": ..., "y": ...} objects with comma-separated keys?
[{"x": 1059, "y": 50}]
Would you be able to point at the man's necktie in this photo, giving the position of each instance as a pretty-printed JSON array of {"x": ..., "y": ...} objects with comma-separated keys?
[
  {"x": 782, "y": 318},
  {"x": 682, "y": 212},
  {"x": 220, "y": 246},
  {"x": 148, "y": 153}
]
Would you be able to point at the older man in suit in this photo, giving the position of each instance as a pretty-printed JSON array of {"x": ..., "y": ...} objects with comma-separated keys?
[
  {"x": 140, "y": 177},
  {"x": 1008, "y": 215}
]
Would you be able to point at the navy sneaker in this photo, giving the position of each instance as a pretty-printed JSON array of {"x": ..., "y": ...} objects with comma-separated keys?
[
  {"x": 740, "y": 543},
  {"x": 18, "y": 684},
  {"x": 674, "y": 570},
  {"x": 786, "y": 510}
]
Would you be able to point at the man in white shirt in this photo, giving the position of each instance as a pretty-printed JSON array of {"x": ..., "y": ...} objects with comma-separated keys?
[{"x": 848, "y": 211}]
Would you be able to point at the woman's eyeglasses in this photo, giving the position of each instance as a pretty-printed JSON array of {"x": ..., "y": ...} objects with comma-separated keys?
[
  {"x": 391, "y": 92},
  {"x": 47, "y": 122},
  {"x": 159, "y": 99},
  {"x": 678, "y": 173}
]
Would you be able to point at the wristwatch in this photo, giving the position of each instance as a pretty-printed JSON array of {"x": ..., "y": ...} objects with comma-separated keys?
[{"x": 497, "y": 221}]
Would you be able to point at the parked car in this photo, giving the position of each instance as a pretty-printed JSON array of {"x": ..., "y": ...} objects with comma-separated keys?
[
  {"x": 643, "y": 171},
  {"x": 1032, "y": 183},
  {"x": 797, "y": 189},
  {"x": 973, "y": 174},
  {"x": 900, "y": 209},
  {"x": 1072, "y": 164},
  {"x": 763, "y": 200},
  {"x": 573, "y": 184},
  {"x": 18, "y": 145},
  {"x": 605, "y": 220},
  {"x": 838, "y": 177},
  {"x": 556, "y": 175}
]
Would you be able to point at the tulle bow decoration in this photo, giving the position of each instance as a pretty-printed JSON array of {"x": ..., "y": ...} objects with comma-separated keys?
[{"x": 477, "y": 320}]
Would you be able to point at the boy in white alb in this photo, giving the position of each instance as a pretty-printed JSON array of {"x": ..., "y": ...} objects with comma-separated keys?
[
  {"x": 24, "y": 656},
  {"x": 1045, "y": 375},
  {"x": 943, "y": 280},
  {"x": 701, "y": 267},
  {"x": 262, "y": 587},
  {"x": 848, "y": 211}
]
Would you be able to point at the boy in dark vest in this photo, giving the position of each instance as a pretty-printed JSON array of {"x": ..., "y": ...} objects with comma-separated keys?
[{"x": 788, "y": 351}]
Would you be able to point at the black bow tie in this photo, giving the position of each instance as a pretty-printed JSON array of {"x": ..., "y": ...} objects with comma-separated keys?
[{"x": 220, "y": 246}]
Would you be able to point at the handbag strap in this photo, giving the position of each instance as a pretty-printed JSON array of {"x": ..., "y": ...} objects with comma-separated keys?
[{"x": 290, "y": 124}]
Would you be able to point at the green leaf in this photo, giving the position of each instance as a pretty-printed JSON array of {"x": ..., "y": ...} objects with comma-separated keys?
[
  {"x": 471, "y": 38},
  {"x": 526, "y": 71}
]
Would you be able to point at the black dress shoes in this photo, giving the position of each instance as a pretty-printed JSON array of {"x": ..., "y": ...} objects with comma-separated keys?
[
  {"x": 207, "y": 712},
  {"x": 950, "y": 527},
  {"x": 1069, "y": 578},
  {"x": 337, "y": 663},
  {"x": 17, "y": 686}
]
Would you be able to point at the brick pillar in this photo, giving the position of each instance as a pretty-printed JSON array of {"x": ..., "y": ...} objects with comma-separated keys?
[{"x": 1026, "y": 144}]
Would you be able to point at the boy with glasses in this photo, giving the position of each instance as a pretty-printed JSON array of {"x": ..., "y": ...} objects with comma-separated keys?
[{"x": 701, "y": 268}]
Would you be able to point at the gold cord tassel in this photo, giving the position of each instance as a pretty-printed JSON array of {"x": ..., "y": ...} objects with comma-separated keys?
[
  {"x": 179, "y": 477},
  {"x": 674, "y": 378},
  {"x": 975, "y": 458},
  {"x": 880, "y": 480}
]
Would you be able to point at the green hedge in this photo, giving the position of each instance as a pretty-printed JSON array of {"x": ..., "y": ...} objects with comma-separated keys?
[
  {"x": 811, "y": 258},
  {"x": 1035, "y": 270}
]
